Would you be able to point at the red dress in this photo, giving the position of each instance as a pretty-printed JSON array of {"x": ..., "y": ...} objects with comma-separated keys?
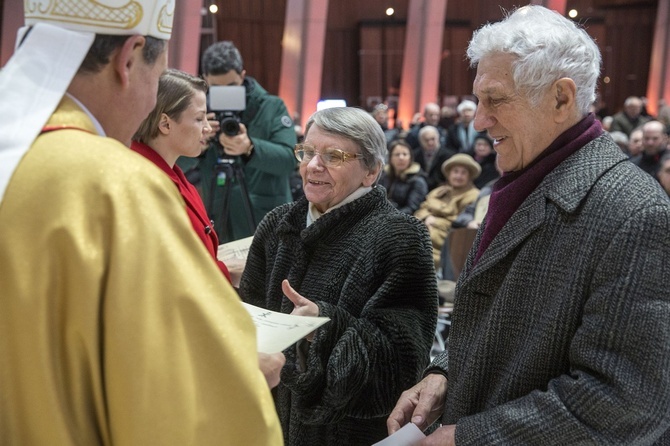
[{"x": 194, "y": 205}]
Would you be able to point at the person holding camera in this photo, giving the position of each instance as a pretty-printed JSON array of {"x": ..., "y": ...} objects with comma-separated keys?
[{"x": 251, "y": 167}]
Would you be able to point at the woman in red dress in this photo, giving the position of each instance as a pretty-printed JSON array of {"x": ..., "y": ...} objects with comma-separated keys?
[{"x": 176, "y": 127}]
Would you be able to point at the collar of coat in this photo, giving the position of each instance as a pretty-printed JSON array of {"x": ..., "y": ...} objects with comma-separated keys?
[
  {"x": 331, "y": 225},
  {"x": 413, "y": 169}
]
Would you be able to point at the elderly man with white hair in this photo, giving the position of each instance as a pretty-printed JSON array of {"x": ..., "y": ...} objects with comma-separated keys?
[
  {"x": 560, "y": 330},
  {"x": 462, "y": 134},
  {"x": 431, "y": 116}
]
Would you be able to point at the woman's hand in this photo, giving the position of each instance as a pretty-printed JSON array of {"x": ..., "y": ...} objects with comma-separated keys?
[
  {"x": 271, "y": 365},
  {"x": 303, "y": 306}
]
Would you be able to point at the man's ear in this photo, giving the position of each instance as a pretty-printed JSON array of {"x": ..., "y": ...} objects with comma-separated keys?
[
  {"x": 164, "y": 124},
  {"x": 127, "y": 57},
  {"x": 565, "y": 92}
]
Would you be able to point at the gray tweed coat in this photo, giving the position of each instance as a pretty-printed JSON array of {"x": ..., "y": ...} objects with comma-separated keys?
[
  {"x": 561, "y": 331},
  {"x": 369, "y": 268}
]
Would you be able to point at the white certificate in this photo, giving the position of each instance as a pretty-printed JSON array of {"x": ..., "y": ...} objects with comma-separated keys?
[
  {"x": 277, "y": 331},
  {"x": 408, "y": 435}
]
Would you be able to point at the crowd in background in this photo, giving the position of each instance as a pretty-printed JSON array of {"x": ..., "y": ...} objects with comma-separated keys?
[{"x": 450, "y": 130}]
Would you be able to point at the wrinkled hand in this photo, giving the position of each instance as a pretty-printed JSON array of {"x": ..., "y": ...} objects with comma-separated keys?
[
  {"x": 430, "y": 220},
  {"x": 422, "y": 404},
  {"x": 443, "y": 436},
  {"x": 474, "y": 224},
  {"x": 236, "y": 145},
  {"x": 303, "y": 306},
  {"x": 271, "y": 365}
]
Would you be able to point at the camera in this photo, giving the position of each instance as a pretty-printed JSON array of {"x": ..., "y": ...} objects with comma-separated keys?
[{"x": 227, "y": 102}]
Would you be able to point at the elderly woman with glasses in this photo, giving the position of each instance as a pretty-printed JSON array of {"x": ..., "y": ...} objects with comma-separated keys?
[{"x": 344, "y": 252}]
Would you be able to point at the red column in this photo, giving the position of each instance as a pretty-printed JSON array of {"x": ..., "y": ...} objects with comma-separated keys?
[
  {"x": 658, "y": 85},
  {"x": 12, "y": 20},
  {"x": 421, "y": 57},
  {"x": 184, "y": 46},
  {"x": 302, "y": 56},
  {"x": 556, "y": 5}
]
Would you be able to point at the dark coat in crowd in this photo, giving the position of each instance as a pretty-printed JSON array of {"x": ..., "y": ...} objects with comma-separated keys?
[
  {"x": 489, "y": 171},
  {"x": 406, "y": 191},
  {"x": 369, "y": 269}
]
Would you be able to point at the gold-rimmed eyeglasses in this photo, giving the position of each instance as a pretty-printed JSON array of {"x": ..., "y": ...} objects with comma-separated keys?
[{"x": 331, "y": 157}]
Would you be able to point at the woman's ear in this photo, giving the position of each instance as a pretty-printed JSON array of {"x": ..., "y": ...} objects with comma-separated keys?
[
  {"x": 164, "y": 124},
  {"x": 372, "y": 176}
]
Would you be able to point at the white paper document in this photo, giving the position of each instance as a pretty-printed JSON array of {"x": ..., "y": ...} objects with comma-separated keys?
[
  {"x": 234, "y": 250},
  {"x": 408, "y": 435},
  {"x": 277, "y": 331}
]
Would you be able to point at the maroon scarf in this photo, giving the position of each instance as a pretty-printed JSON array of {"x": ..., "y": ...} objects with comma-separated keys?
[{"x": 510, "y": 191}]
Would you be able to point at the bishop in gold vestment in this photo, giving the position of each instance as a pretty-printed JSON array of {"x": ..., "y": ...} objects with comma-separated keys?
[{"x": 116, "y": 327}]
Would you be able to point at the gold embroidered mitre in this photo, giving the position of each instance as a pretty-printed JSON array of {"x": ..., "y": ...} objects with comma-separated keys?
[{"x": 118, "y": 17}]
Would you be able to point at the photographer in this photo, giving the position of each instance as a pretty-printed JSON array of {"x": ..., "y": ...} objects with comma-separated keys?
[{"x": 262, "y": 150}]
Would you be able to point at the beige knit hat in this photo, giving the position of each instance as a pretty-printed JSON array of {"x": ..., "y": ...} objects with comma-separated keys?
[{"x": 465, "y": 160}]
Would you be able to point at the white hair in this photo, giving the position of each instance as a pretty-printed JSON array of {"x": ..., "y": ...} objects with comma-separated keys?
[
  {"x": 466, "y": 105},
  {"x": 547, "y": 47}
]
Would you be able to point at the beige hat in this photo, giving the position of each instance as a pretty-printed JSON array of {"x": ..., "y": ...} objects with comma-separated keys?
[{"x": 465, "y": 160}]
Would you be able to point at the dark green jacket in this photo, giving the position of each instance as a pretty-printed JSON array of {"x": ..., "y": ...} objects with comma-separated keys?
[{"x": 266, "y": 171}]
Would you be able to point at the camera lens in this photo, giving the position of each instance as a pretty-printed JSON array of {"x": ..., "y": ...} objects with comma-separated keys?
[{"x": 230, "y": 126}]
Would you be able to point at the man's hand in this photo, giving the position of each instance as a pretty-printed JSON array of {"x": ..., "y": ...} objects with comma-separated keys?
[
  {"x": 422, "y": 404},
  {"x": 444, "y": 436},
  {"x": 474, "y": 224},
  {"x": 236, "y": 145},
  {"x": 271, "y": 365},
  {"x": 303, "y": 306}
]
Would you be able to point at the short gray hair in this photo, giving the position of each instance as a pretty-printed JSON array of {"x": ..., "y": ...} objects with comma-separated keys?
[
  {"x": 428, "y": 129},
  {"x": 356, "y": 125},
  {"x": 547, "y": 47},
  {"x": 466, "y": 105}
]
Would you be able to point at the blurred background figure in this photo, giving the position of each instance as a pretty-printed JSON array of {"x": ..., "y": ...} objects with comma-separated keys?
[
  {"x": 630, "y": 117},
  {"x": 635, "y": 146},
  {"x": 607, "y": 123},
  {"x": 484, "y": 154},
  {"x": 621, "y": 140},
  {"x": 431, "y": 117},
  {"x": 381, "y": 115},
  {"x": 461, "y": 135},
  {"x": 655, "y": 145},
  {"x": 443, "y": 204},
  {"x": 403, "y": 179},
  {"x": 663, "y": 174},
  {"x": 430, "y": 155}
]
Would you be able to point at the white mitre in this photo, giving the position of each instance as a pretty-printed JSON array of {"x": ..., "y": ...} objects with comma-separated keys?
[{"x": 36, "y": 77}]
